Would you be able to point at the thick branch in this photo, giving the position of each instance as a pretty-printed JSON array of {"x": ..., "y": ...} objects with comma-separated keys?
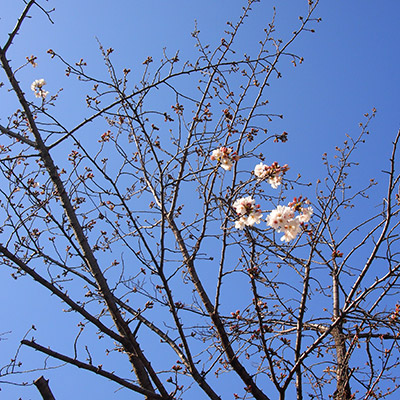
[
  {"x": 219, "y": 325},
  {"x": 92, "y": 368},
  {"x": 136, "y": 357},
  {"x": 17, "y": 136},
  {"x": 44, "y": 388},
  {"x": 17, "y": 26},
  {"x": 60, "y": 294}
]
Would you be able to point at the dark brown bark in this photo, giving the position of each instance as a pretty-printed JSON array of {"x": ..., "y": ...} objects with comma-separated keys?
[
  {"x": 92, "y": 368},
  {"x": 343, "y": 391},
  {"x": 44, "y": 388}
]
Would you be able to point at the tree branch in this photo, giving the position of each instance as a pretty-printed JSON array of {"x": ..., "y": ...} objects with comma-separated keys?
[
  {"x": 97, "y": 370},
  {"x": 44, "y": 388}
]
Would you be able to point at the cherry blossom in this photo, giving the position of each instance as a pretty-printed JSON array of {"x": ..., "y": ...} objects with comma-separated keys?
[
  {"x": 306, "y": 213},
  {"x": 291, "y": 230},
  {"x": 226, "y": 156},
  {"x": 283, "y": 219},
  {"x": 37, "y": 86},
  {"x": 248, "y": 211},
  {"x": 273, "y": 173}
]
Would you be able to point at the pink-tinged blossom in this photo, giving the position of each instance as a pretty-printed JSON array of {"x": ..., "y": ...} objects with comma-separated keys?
[
  {"x": 283, "y": 219},
  {"x": 275, "y": 181},
  {"x": 240, "y": 224},
  {"x": 249, "y": 213},
  {"x": 244, "y": 205},
  {"x": 279, "y": 217},
  {"x": 37, "y": 88},
  {"x": 259, "y": 170},
  {"x": 291, "y": 230},
  {"x": 306, "y": 213},
  {"x": 254, "y": 218},
  {"x": 226, "y": 156},
  {"x": 273, "y": 173}
]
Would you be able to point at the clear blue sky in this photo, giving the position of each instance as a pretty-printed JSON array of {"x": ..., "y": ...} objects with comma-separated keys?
[{"x": 351, "y": 64}]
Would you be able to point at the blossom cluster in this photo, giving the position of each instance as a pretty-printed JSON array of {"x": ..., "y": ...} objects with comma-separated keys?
[
  {"x": 226, "y": 156},
  {"x": 249, "y": 213},
  {"x": 37, "y": 88},
  {"x": 273, "y": 173},
  {"x": 283, "y": 219}
]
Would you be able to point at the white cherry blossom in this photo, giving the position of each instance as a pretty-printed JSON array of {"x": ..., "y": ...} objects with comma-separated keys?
[
  {"x": 37, "y": 88},
  {"x": 248, "y": 211},
  {"x": 306, "y": 214},
  {"x": 273, "y": 173},
  {"x": 283, "y": 219},
  {"x": 226, "y": 156}
]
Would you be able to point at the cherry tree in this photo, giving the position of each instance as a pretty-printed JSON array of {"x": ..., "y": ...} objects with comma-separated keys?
[{"x": 158, "y": 221}]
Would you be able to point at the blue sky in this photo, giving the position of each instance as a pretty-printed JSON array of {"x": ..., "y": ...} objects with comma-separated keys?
[{"x": 351, "y": 64}]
